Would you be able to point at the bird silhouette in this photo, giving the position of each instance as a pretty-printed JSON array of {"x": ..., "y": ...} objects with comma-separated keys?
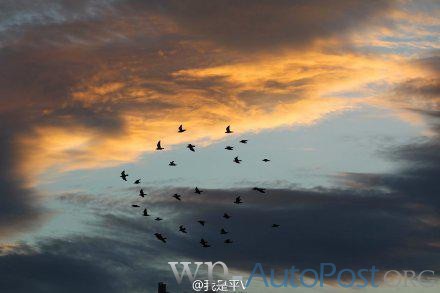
[
  {"x": 204, "y": 243},
  {"x": 124, "y": 175},
  {"x": 244, "y": 141},
  {"x": 135, "y": 205},
  {"x": 177, "y": 196},
  {"x": 266, "y": 160},
  {"x": 145, "y": 214},
  {"x": 228, "y": 241},
  {"x": 137, "y": 181},
  {"x": 158, "y": 219},
  {"x": 238, "y": 200},
  {"x": 228, "y": 129},
  {"x": 236, "y": 160},
  {"x": 181, "y": 129},
  {"x": 198, "y": 191},
  {"x": 229, "y": 148},
  {"x": 262, "y": 190},
  {"x": 182, "y": 229},
  {"x": 142, "y": 193},
  {"x": 226, "y": 216},
  {"x": 160, "y": 237},
  {"x": 223, "y": 231},
  {"x": 275, "y": 225},
  {"x": 159, "y": 147},
  {"x": 191, "y": 147},
  {"x": 201, "y": 222},
  {"x": 172, "y": 164}
]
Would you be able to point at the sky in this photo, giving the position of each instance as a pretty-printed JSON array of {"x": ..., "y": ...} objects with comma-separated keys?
[{"x": 342, "y": 96}]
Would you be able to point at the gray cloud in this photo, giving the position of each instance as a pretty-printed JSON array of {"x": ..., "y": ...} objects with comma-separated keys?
[
  {"x": 245, "y": 25},
  {"x": 259, "y": 25}
]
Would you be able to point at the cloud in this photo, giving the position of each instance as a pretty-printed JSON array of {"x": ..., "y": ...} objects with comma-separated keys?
[
  {"x": 78, "y": 264},
  {"x": 387, "y": 220},
  {"x": 250, "y": 26},
  {"x": 93, "y": 84},
  {"x": 19, "y": 209}
]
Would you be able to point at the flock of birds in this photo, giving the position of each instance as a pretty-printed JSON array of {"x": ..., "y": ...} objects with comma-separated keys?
[{"x": 178, "y": 197}]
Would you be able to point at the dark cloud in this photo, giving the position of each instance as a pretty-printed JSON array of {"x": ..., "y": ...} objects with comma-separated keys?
[
  {"x": 79, "y": 264},
  {"x": 250, "y": 25},
  {"x": 18, "y": 209},
  {"x": 352, "y": 228},
  {"x": 45, "y": 272},
  {"x": 256, "y": 25}
]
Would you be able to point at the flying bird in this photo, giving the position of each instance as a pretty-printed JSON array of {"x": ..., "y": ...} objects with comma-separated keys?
[
  {"x": 238, "y": 200},
  {"x": 275, "y": 225},
  {"x": 226, "y": 216},
  {"x": 229, "y": 148},
  {"x": 135, "y": 205},
  {"x": 201, "y": 222},
  {"x": 244, "y": 141},
  {"x": 228, "y": 241},
  {"x": 236, "y": 160},
  {"x": 137, "y": 181},
  {"x": 191, "y": 147},
  {"x": 172, "y": 164},
  {"x": 228, "y": 129},
  {"x": 177, "y": 196},
  {"x": 142, "y": 193},
  {"x": 266, "y": 160},
  {"x": 223, "y": 231},
  {"x": 159, "y": 147},
  {"x": 262, "y": 190},
  {"x": 204, "y": 243},
  {"x": 198, "y": 191},
  {"x": 158, "y": 219},
  {"x": 182, "y": 229},
  {"x": 181, "y": 129},
  {"x": 160, "y": 237},
  {"x": 146, "y": 213},
  {"x": 124, "y": 175}
]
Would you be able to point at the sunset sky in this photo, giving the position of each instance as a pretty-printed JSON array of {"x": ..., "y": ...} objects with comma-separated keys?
[{"x": 342, "y": 96}]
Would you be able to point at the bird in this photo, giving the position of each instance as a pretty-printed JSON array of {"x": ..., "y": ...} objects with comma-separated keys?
[
  {"x": 236, "y": 160},
  {"x": 204, "y": 243},
  {"x": 146, "y": 213},
  {"x": 135, "y": 205},
  {"x": 158, "y": 219},
  {"x": 244, "y": 141},
  {"x": 228, "y": 129},
  {"x": 226, "y": 216},
  {"x": 142, "y": 193},
  {"x": 177, "y": 196},
  {"x": 229, "y": 148},
  {"x": 228, "y": 241},
  {"x": 275, "y": 225},
  {"x": 137, "y": 181},
  {"x": 172, "y": 164},
  {"x": 124, "y": 175},
  {"x": 262, "y": 190},
  {"x": 181, "y": 129},
  {"x": 266, "y": 160},
  {"x": 223, "y": 231},
  {"x": 191, "y": 147},
  {"x": 160, "y": 237},
  {"x": 198, "y": 191},
  {"x": 159, "y": 147},
  {"x": 201, "y": 222},
  {"x": 238, "y": 200},
  {"x": 182, "y": 229}
]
